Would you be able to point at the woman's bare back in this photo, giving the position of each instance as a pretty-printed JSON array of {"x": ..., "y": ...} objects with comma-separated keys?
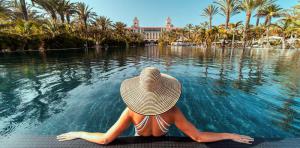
[{"x": 152, "y": 128}]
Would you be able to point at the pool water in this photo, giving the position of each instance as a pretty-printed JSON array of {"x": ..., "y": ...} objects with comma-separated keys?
[{"x": 253, "y": 92}]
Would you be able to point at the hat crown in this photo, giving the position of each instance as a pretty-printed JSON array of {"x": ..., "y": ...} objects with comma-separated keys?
[
  {"x": 150, "y": 79},
  {"x": 150, "y": 93}
]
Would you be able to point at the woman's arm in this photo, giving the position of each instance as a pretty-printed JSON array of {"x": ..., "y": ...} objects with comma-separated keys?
[
  {"x": 101, "y": 138},
  {"x": 190, "y": 130}
]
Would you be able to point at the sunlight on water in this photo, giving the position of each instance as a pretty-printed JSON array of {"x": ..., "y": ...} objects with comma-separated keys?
[{"x": 255, "y": 92}]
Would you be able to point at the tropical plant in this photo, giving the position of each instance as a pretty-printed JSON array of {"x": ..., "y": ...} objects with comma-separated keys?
[
  {"x": 297, "y": 7},
  {"x": 49, "y": 6},
  {"x": 286, "y": 27},
  {"x": 248, "y": 6},
  {"x": 24, "y": 7},
  {"x": 270, "y": 12},
  {"x": 4, "y": 8},
  {"x": 58, "y": 24},
  {"x": 228, "y": 8},
  {"x": 27, "y": 29},
  {"x": 209, "y": 12},
  {"x": 211, "y": 36},
  {"x": 262, "y": 4},
  {"x": 204, "y": 25},
  {"x": 51, "y": 29},
  {"x": 120, "y": 31},
  {"x": 102, "y": 29},
  {"x": 85, "y": 15},
  {"x": 64, "y": 8},
  {"x": 17, "y": 12},
  {"x": 233, "y": 27},
  {"x": 28, "y": 24},
  {"x": 189, "y": 29}
]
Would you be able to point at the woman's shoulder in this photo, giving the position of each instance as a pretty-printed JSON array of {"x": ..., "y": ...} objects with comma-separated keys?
[
  {"x": 174, "y": 109},
  {"x": 171, "y": 112}
]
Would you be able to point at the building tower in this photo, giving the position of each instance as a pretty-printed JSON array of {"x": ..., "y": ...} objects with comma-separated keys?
[
  {"x": 169, "y": 24},
  {"x": 136, "y": 23}
]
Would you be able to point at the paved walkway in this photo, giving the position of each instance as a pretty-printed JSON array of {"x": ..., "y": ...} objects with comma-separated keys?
[{"x": 138, "y": 142}]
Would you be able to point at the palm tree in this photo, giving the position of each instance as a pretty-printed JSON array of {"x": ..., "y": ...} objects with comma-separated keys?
[
  {"x": 248, "y": 6},
  {"x": 209, "y": 12},
  {"x": 27, "y": 29},
  {"x": 189, "y": 28},
  {"x": 5, "y": 14},
  {"x": 22, "y": 4},
  {"x": 60, "y": 8},
  {"x": 297, "y": 6},
  {"x": 16, "y": 12},
  {"x": 85, "y": 14},
  {"x": 204, "y": 25},
  {"x": 194, "y": 34},
  {"x": 24, "y": 8},
  {"x": 286, "y": 27},
  {"x": 49, "y": 29},
  {"x": 70, "y": 10},
  {"x": 262, "y": 4},
  {"x": 120, "y": 31},
  {"x": 50, "y": 6},
  {"x": 4, "y": 8},
  {"x": 229, "y": 8},
  {"x": 64, "y": 8},
  {"x": 20, "y": 9},
  {"x": 234, "y": 27},
  {"x": 271, "y": 12},
  {"x": 102, "y": 26},
  {"x": 283, "y": 28},
  {"x": 103, "y": 23}
]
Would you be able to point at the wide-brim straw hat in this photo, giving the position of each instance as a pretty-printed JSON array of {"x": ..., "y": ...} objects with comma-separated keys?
[{"x": 150, "y": 93}]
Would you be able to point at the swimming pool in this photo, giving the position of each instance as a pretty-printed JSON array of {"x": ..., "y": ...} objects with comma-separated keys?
[{"x": 253, "y": 92}]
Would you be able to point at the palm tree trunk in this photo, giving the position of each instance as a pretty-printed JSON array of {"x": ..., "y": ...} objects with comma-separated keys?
[
  {"x": 227, "y": 19},
  {"x": 266, "y": 21},
  {"x": 268, "y": 41},
  {"x": 86, "y": 34},
  {"x": 257, "y": 20},
  {"x": 53, "y": 16},
  {"x": 210, "y": 22},
  {"x": 233, "y": 38},
  {"x": 62, "y": 18},
  {"x": 42, "y": 45},
  {"x": 245, "y": 34},
  {"x": 283, "y": 42},
  {"x": 68, "y": 17},
  {"x": 26, "y": 45},
  {"x": 232, "y": 47},
  {"x": 24, "y": 10}
]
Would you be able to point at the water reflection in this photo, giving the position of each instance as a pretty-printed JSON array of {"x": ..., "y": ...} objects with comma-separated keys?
[{"x": 253, "y": 92}]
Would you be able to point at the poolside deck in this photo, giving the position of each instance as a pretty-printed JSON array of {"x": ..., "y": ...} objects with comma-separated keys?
[{"x": 137, "y": 142}]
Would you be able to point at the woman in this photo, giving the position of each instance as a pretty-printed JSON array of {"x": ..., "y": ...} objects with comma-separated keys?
[{"x": 150, "y": 100}]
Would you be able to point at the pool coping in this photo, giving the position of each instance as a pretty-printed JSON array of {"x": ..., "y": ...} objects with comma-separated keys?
[{"x": 156, "y": 142}]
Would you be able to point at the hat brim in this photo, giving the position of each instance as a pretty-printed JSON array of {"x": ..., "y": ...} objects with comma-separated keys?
[{"x": 151, "y": 103}]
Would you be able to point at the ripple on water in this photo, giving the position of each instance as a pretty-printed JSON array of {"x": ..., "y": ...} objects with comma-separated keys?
[{"x": 255, "y": 93}]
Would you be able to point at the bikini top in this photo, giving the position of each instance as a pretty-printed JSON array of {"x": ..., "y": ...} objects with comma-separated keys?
[{"x": 163, "y": 125}]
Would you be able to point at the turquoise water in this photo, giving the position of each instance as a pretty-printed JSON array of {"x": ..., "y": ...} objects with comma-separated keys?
[{"x": 252, "y": 92}]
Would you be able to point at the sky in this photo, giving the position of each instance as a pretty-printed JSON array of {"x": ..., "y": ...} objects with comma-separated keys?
[{"x": 155, "y": 12}]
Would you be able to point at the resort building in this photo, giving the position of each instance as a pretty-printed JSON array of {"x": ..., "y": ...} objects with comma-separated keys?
[{"x": 151, "y": 34}]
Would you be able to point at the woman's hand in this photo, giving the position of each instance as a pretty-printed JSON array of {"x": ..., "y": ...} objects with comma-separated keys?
[
  {"x": 69, "y": 136},
  {"x": 241, "y": 138}
]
